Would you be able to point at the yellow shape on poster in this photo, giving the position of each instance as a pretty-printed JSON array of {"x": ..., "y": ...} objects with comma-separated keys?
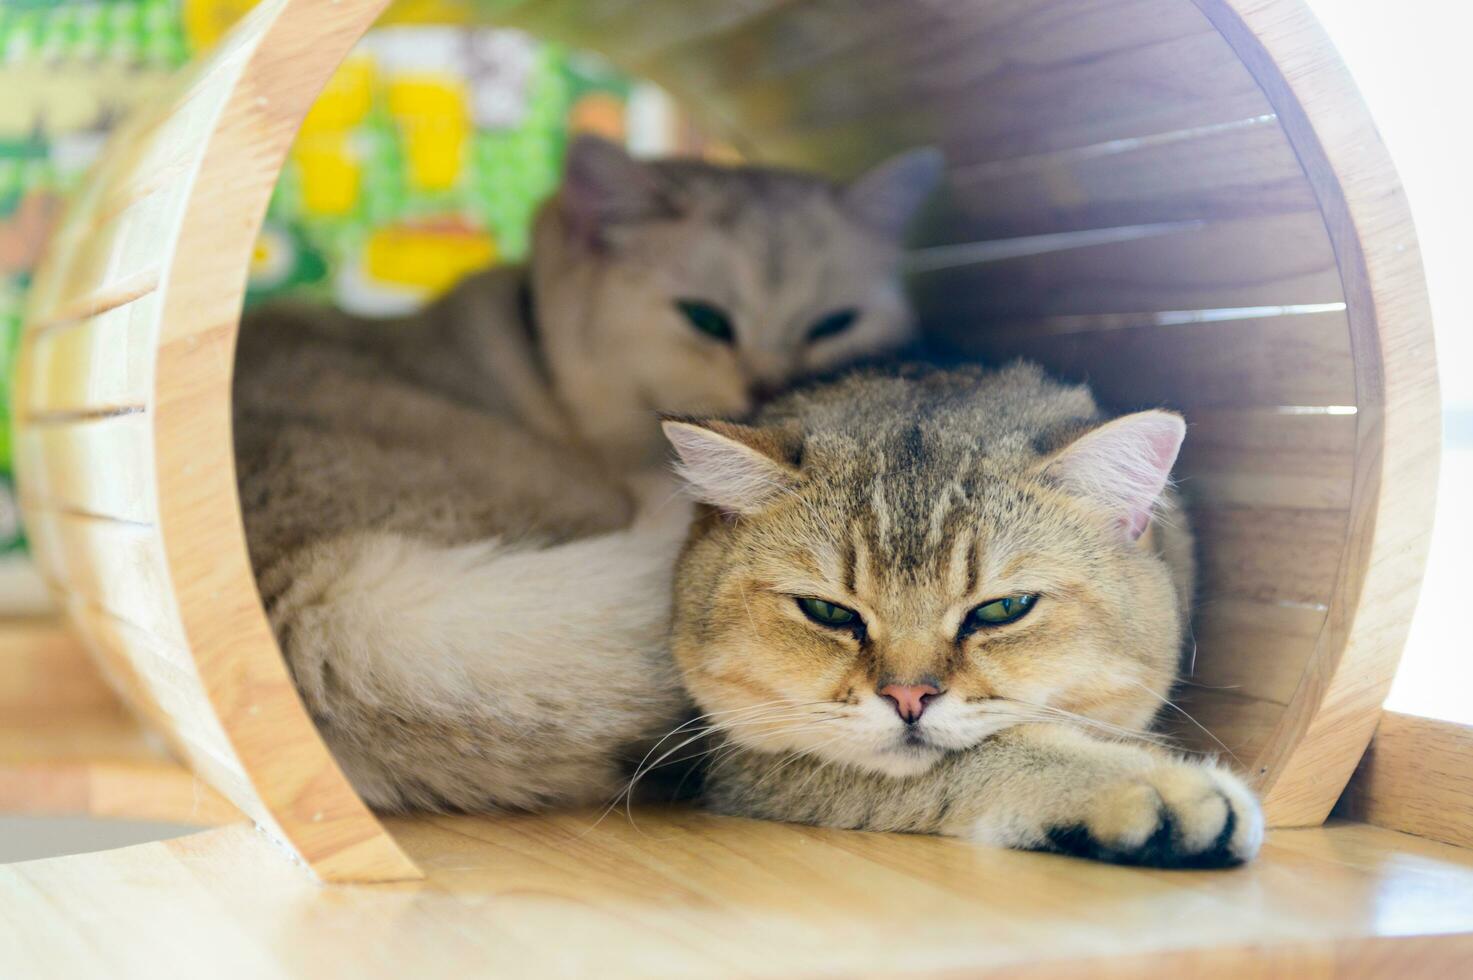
[
  {"x": 432, "y": 259},
  {"x": 205, "y": 21},
  {"x": 330, "y": 173},
  {"x": 429, "y": 12},
  {"x": 432, "y": 113},
  {"x": 346, "y": 99}
]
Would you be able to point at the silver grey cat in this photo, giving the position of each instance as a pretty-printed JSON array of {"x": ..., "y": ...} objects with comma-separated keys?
[{"x": 458, "y": 520}]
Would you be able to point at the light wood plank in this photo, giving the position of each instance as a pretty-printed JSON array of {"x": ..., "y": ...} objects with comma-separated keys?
[
  {"x": 1131, "y": 69},
  {"x": 177, "y": 702},
  {"x": 1253, "y": 649},
  {"x": 165, "y": 150},
  {"x": 1416, "y": 777},
  {"x": 1225, "y": 724},
  {"x": 1269, "y": 555},
  {"x": 101, "y": 467},
  {"x": 44, "y": 667},
  {"x": 100, "y": 362},
  {"x": 97, "y": 763},
  {"x": 1212, "y": 266},
  {"x": 680, "y": 894},
  {"x": 113, "y": 263},
  {"x": 1320, "y": 739},
  {"x": 119, "y": 567},
  {"x": 1285, "y": 459},
  {"x": 162, "y": 686},
  {"x": 294, "y": 50},
  {"x": 1221, "y": 171},
  {"x": 1190, "y": 359},
  {"x": 866, "y": 66}
]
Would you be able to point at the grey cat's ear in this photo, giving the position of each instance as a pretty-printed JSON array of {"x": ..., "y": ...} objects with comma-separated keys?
[
  {"x": 887, "y": 196},
  {"x": 602, "y": 184},
  {"x": 737, "y": 468},
  {"x": 1123, "y": 465}
]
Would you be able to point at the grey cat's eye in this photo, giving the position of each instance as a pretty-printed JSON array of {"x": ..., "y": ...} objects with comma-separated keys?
[
  {"x": 835, "y": 323},
  {"x": 708, "y": 319},
  {"x": 999, "y": 612},
  {"x": 829, "y": 614}
]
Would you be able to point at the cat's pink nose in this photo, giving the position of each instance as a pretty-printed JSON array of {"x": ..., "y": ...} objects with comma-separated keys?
[{"x": 910, "y": 700}]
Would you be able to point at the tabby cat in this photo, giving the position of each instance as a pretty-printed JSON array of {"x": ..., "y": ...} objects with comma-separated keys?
[
  {"x": 949, "y": 603},
  {"x": 456, "y": 518}
]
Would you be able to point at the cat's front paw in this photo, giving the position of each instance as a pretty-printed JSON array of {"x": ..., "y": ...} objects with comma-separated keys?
[{"x": 1176, "y": 815}]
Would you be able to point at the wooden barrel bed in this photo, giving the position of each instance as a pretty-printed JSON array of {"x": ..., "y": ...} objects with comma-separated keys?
[{"x": 1183, "y": 201}]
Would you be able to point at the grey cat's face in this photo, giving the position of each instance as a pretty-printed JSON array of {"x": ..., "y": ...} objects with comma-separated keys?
[{"x": 682, "y": 288}]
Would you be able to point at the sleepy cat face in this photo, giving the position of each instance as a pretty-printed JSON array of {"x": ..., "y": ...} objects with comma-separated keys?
[
  {"x": 895, "y": 568},
  {"x": 682, "y": 288}
]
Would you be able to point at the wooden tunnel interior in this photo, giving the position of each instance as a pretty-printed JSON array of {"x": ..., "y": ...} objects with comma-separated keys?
[{"x": 1181, "y": 201}]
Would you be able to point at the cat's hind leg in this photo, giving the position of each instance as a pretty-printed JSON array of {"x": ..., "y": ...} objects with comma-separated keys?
[{"x": 482, "y": 675}]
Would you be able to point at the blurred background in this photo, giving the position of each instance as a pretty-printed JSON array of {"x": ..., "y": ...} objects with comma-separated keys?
[
  {"x": 431, "y": 146},
  {"x": 422, "y": 160}
]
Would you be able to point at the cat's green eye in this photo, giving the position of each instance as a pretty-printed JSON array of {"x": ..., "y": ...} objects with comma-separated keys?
[
  {"x": 829, "y": 614},
  {"x": 835, "y": 323},
  {"x": 709, "y": 320},
  {"x": 999, "y": 612}
]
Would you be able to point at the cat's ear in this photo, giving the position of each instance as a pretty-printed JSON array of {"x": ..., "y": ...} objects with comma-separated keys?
[
  {"x": 1123, "y": 465},
  {"x": 739, "y": 469},
  {"x": 602, "y": 184},
  {"x": 887, "y": 196}
]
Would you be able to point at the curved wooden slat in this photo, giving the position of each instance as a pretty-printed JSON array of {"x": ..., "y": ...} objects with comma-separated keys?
[
  {"x": 1318, "y": 740},
  {"x": 1266, "y": 261},
  {"x": 124, "y": 430},
  {"x": 1213, "y": 359},
  {"x": 296, "y": 47}
]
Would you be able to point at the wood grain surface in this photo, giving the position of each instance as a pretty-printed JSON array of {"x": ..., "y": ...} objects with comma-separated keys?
[
  {"x": 1183, "y": 201},
  {"x": 1417, "y": 777},
  {"x": 681, "y": 893}
]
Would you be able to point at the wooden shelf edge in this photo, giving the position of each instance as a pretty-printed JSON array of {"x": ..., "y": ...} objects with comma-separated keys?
[{"x": 1416, "y": 777}]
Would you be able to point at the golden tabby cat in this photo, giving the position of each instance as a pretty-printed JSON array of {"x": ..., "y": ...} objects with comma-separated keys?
[{"x": 945, "y": 602}]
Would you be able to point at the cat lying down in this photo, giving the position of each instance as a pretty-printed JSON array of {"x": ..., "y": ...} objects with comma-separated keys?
[
  {"x": 455, "y": 518},
  {"x": 934, "y": 602},
  {"x": 948, "y": 603}
]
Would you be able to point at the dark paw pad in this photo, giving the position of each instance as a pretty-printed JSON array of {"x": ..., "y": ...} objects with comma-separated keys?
[{"x": 1165, "y": 848}]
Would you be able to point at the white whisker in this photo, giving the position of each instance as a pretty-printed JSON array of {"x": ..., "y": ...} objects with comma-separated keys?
[{"x": 1185, "y": 714}]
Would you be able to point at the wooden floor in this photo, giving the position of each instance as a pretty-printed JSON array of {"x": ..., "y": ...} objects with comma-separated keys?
[
  {"x": 670, "y": 892},
  {"x": 680, "y": 893}
]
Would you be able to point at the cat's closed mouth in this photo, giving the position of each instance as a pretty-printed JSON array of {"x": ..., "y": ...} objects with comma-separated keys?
[{"x": 915, "y": 744}]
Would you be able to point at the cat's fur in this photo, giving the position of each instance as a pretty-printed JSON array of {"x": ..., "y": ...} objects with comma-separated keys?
[
  {"x": 911, "y": 498},
  {"x": 451, "y": 516}
]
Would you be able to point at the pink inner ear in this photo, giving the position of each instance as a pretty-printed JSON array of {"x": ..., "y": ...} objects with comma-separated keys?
[
  {"x": 1161, "y": 444},
  {"x": 1135, "y": 525},
  {"x": 1124, "y": 465}
]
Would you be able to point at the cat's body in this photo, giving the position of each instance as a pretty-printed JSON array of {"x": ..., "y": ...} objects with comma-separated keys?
[
  {"x": 947, "y": 602},
  {"x": 409, "y": 519},
  {"x": 458, "y": 519}
]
